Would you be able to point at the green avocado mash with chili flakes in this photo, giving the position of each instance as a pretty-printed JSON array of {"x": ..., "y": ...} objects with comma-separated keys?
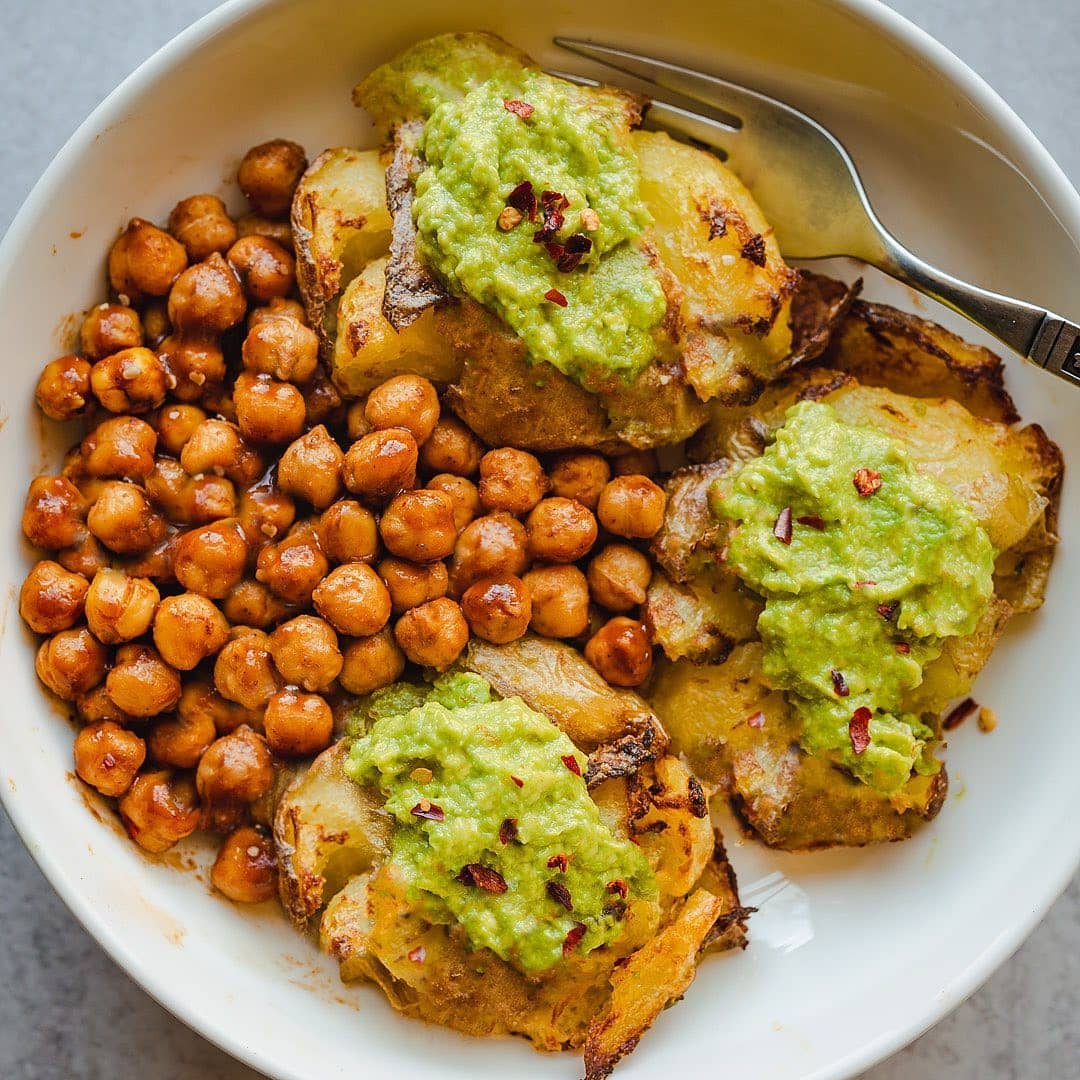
[
  {"x": 866, "y": 566},
  {"x": 496, "y": 830}
]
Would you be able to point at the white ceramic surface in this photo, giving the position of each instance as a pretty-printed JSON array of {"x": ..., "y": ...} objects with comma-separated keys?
[{"x": 854, "y": 953}]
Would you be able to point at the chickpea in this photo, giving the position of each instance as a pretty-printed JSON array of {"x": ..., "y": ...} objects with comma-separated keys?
[
  {"x": 144, "y": 261},
  {"x": 211, "y": 559},
  {"x": 356, "y": 421},
  {"x": 202, "y": 224},
  {"x": 353, "y": 600},
  {"x": 206, "y": 299},
  {"x": 348, "y": 532},
  {"x": 54, "y": 514},
  {"x": 159, "y": 809},
  {"x": 265, "y": 514},
  {"x": 323, "y": 403},
  {"x": 156, "y": 563},
  {"x": 277, "y": 308},
  {"x": 433, "y": 634},
  {"x": 141, "y": 683},
  {"x": 197, "y": 365},
  {"x": 278, "y": 231},
  {"x": 497, "y": 610},
  {"x": 411, "y": 585},
  {"x": 381, "y": 464},
  {"x": 155, "y": 322},
  {"x": 123, "y": 520},
  {"x": 218, "y": 401},
  {"x": 310, "y": 468},
  {"x": 71, "y": 662},
  {"x": 619, "y": 577},
  {"x": 268, "y": 176},
  {"x": 131, "y": 381},
  {"x": 305, "y": 651},
  {"x": 120, "y": 448},
  {"x": 452, "y": 448},
  {"x": 251, "y": 603},
  {"x": 490, "y": 546},
  {"x": 283, "y": 347},
  {"x": 371, "y": 663},
  {"x": 635, "y": 463},
  {"x": 217, "y": 447},
  {"x": 560, "y": 530},
  {"x": 245, "y": 869},
  {"x": 560, "y": 600},
  {"x": 176, "y": 424},
  {"x": 511, "y": 480},
  {"x": 52, "y": 598},
  {"x": 405, "y": 401},
  {"x": 107, "y": 757},
  {"x": 95, "y": 706},
  {"x": 298, "y": 725},
  {"x": 201, "y": 703},
  {"x": 63, "y": 388},
  {"x": 581, "y": 477},
  {"x": 265, "y": 269},
  {"x": 293, "y": 566},
  {"x": 86, "y": 557},
  {"x": 187, "y": 629},
  {"x": 188, "y": 500},
  {"x": 108, "y": 329},
  {"x": 268, "y": 411},
  {"x": 632, "y": 506},
  {"x": 120, "y": 608},
  {"x": 419, "y": 526},
  {"x": 620, "y": 651},
  {"x": 181, "y": 740},
  {"x": 235, "y": 771},
  {"x": 244, "y": 671},
  {"x": 463, "y": 494}
]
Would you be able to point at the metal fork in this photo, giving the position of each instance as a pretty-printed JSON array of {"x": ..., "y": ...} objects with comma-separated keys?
[{"x": 809, "y": 189}]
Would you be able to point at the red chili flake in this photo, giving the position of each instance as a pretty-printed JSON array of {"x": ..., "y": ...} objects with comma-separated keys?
[
  {"x": 517, "y": 780},
  {"x": 519, "y": 108},
  {"x": 568, "y": 256},
  {"x": 418, "y": 955},
  {"x": 813, "y": 521},
  {"x": 554, "y": 203},
  {"x": 571, "y": 763},
  {"x": 508, "y": 830},
  {"x": 903, "y": 648},
  {"x": 782, "y": 526},
  {"x": 840, "y": 683},
  {"x": 866, "y": 481},
  {"x": 523, "y": 198},
  {"x": 555, "y": 199},
  {"x": 863, "y": 584},
  {"x": 560, "y": 894},
  {"x": 558, "y": 862},
  {"x": 617, "y": 886},
  {"x": 573, "y": 938},
  {"x": 756, "y": 720},
  {"x": 887, "y": 611},
  {"x": 555, "y": 297},
  {"x": 428, "y": 810},
  {"x": 616, "y": 909},
  {"x": 859, "y": 729},
  {"x": 483, "y": 877},
  {"x": 959, "y": 714}
]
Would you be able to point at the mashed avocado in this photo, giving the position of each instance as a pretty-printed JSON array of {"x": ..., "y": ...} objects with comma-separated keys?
[
  {"x": 866, "y": 565},
  {"x": 495, "y": 828},
  {"x": 595, "y": 317}
]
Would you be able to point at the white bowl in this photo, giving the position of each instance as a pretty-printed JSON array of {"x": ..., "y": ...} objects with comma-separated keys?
[{"x": 859, "y": 951}]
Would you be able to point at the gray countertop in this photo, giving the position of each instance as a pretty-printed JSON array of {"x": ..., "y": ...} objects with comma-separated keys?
[{"x": 66, "y": 1011}]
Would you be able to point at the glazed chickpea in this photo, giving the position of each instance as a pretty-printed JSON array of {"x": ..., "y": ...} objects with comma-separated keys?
[
  {"x": 155, "y": 563},
  {"x": 371, "y": 663},
  {"x": 268, "y": 411},
  {"x": 202, "y": 224},
  {"x": 283, "y": 347},
  {"x": 635, "y": 463},
  {"x": 54, "y": 514},
  {"x": 131, "y": 381},
  {"x": 95, "y": 706},
  {"x": 452, "y": 448},
  {"x": 265, "y": 514},
  {"x": 434, "y": 634},
  {"x": 123, "y": 520},
  {"x": 107, "y": 757},
  {"x": 490, "y": 546},
  {"x": 181, "y": 740},
  {"x": 159, "y": 809},
  {"x": 298, "y": 725},
  {"x": 175, "y": 425},
  {"x": 108, "y": 329},
  {"x": 419, "y": 526},
  {"x": 581, "y": 477},
  {"x": 52, "y": 598},
  {"x": 202, "y": 708},
  {"x": 620, "y": 652},
  {"x": 381, "y": 464},
  {"x": 187, "y": 629},
  {"x": 497, "y": 610},
  {"x": 560, "y": 600},
  {"x": 293, "y": 566},
  {"x": 188, "y": 500},
  {"x": 86, "y": 557},
  {"x": 463, "y": 495},
  {"x": 405, "y": 401},
  {"x": 277, "y": 308},
  {"x": 120, "y": 448},
  {"x": 323, "y": 403},
  {"x": 235, "y": 771},
  {"x": 211, "y": 559},
  {"x": 356, "y": 421},
  {"x": 511, "y": 480},
  {"x": 218, "y": 401},
  {"x": 310, "y": 468},
  {"x": 197, "y": 365},
  {"x": 217, "y": 447},
  {"x": 244, "y": 671},
  {"x": 155, "y": 322},
  {"x": 353, "y": 599},
  {"x": 348, "y": 532},
  {"x": 144, "y": 261},
  {"x": 411, "y": 585},
  {"x": 245, "y": 869},
  {"x": 632, "y": 506},
  {"x": 255, "y": 225},
  {"x": 63, "y": 388},
  {"x": 71, "y": 662},
  {"x": 141, "y": 683},
  {"x": 268, "y": 176},
  {"x": 251, "y": 603},
  {"x": 265, "y": 269},
  {"x": 560, "y": 530},
  {"x": 120, "y": 608},
  {"x": 619, "y": 577},
  {"x": 206, "y": 299},
  {"x": 305, "y": 651}
]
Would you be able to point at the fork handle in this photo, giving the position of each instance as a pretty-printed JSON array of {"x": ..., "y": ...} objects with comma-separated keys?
[{"x": 1046, "y": 339}]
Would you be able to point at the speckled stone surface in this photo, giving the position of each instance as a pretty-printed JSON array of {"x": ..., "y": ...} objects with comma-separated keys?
[{"x": 66, "y": 1011}]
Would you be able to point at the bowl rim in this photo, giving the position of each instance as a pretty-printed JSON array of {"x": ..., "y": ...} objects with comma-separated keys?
[{"x": 1029, "y": 155}]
